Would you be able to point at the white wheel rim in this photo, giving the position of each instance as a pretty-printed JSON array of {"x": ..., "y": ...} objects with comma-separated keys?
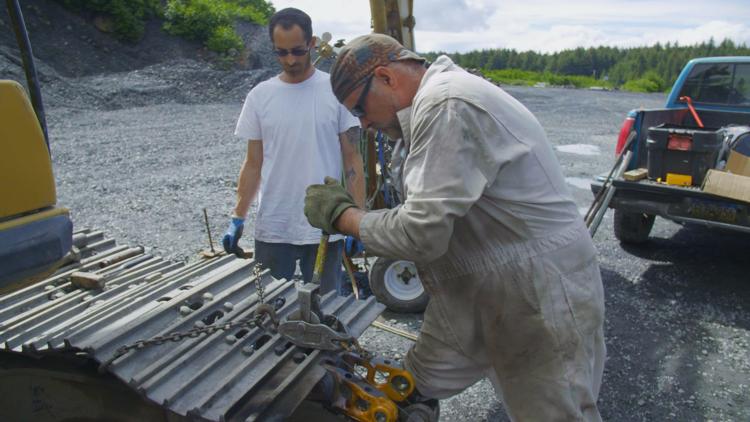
[{"x": 402, "y": 281}]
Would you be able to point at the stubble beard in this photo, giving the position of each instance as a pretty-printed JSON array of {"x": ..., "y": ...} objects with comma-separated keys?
[{"x": 298, "y": 69}]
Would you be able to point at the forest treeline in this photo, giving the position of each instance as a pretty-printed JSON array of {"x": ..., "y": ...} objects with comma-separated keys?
[{"x": 645, "y": 69}]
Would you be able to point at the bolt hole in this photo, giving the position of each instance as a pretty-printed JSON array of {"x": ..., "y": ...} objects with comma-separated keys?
[
  {"x": 212, "y": 317},
  {"x": 261, "y": 341}
]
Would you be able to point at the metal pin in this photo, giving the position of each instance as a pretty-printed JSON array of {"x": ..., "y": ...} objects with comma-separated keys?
[
  {"x": 208, "y": 230},
  {"x": 212, "y": 253}
]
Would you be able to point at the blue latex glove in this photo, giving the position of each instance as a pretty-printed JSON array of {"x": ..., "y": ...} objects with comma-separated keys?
[
  {"x": 232, "y": 236},
  {"x": 353, "y": 246}
]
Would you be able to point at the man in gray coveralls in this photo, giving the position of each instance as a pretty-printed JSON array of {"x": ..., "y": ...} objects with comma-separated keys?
[{"x": 516, "y": 293}]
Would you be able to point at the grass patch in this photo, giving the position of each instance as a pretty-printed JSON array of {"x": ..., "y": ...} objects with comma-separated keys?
[
  {"x": 208, "y": 21},
  {"x": 531, "y": 78}
]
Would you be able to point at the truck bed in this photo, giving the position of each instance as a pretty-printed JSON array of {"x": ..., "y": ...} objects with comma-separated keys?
[
  {"x": 683, "y": 204},
  {"x": 682, "y": 117}
]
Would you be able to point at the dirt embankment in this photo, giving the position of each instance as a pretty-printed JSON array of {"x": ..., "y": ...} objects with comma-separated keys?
[{"x": 80, "y": 66}]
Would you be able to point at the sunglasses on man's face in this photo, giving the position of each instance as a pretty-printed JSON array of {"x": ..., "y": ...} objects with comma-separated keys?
[
  {"x": 359, "y": 109},
  {"x": 297, "y": 52}
]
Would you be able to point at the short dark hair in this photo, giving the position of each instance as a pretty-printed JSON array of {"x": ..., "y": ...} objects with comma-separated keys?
[{"x": 289, "y": 17}]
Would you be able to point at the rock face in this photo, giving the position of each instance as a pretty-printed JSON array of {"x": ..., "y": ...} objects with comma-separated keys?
[{"x": 81, "y": 65}]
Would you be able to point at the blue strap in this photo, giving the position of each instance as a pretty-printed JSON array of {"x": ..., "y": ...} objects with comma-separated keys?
[{"x": 381, "y": 159}]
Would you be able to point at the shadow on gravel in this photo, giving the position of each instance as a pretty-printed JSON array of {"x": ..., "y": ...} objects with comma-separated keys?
[
  {"x": 696, "y": 245},
  {"x": 652, "y": 352},
  {"x": 669, "y": 356},
  {"x": 701, "y": 266},
  {"x": 497, "y": 413}
]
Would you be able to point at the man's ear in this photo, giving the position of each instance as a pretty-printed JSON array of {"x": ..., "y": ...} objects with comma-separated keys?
[{"x": 386, "y": 74}]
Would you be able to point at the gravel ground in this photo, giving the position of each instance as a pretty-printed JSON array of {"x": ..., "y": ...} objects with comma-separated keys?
[{"x": 678, "y": 315}]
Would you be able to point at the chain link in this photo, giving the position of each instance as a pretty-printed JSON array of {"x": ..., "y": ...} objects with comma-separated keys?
[
  {"x": 248, "y": 322},
  {"x": 354, "y": 346},
  {"x": 260, "y": 289}
]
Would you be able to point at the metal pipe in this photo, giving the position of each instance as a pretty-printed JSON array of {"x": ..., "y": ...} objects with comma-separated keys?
[
  {"x": 27, "y": 56},
  {"x": 600, "y": 214},
  {"x": 377, "y": 11}
]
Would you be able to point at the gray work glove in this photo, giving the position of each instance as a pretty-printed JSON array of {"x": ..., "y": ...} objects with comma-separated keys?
[{"x": 325, "y": 203}]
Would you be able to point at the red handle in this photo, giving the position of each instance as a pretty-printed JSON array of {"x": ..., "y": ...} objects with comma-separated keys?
[{"x": 689, "y": 102}]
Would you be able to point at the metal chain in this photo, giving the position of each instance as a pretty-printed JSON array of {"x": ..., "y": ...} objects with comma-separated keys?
[
  {"x": 251, "y": 321},
  {"x": 259, "y": 288},
  {"x": 354, "y": 346},
  {"x": 248, "y": 322}
]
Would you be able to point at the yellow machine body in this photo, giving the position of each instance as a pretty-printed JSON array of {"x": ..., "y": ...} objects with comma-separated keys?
[
  {"x": 34, "y": 234},
  {"x": 25, "y": 167}
]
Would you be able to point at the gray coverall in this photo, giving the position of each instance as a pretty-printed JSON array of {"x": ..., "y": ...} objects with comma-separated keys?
[{"x": 516, "y": 293}]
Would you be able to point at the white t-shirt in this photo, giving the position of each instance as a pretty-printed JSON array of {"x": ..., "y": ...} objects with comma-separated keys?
[{"x": 299, "y": 125}]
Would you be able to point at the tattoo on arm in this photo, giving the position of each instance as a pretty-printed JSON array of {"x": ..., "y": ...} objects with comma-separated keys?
[
  {"x": 352, "y": 135},
  {"x": 350, "y": 173}
]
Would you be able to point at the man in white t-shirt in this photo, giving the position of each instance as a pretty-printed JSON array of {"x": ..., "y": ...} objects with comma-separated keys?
[{"x": 298, "y": 134}]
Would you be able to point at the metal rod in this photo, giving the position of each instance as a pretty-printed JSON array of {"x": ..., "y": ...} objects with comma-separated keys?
[
  {"x": 350, "y": 273},
  {"x": 385, "y": 327},
  {"x": 27, "y": 56},
  {"x": 594, "y": 208},
  {"x": 610, "y": 192},
  {"x": 208, "y": 230}
]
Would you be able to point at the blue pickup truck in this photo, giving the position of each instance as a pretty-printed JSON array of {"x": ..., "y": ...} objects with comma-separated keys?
[{"x": 674, "y": 148}]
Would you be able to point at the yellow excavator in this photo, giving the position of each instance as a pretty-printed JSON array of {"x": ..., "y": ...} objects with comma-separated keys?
[{"x": 35, "y": 234}]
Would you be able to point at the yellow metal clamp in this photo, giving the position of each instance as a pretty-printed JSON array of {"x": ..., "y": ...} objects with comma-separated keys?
[
  {"x": 384, "y": 374},
  {"x": 361, "y": 401}
]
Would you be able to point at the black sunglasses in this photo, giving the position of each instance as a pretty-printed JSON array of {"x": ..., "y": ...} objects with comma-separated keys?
[
  {"x": 359, "y": 109},
  {"x": 298, "y": 52}
]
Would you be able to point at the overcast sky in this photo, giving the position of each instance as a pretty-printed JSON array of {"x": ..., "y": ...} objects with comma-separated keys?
[{"x": 543, "y": 25}]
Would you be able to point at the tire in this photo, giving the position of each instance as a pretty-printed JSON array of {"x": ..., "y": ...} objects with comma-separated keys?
[
  {"x": 396, "y": 284},
  {"x": 633, "y": 227},
  {"x": 421, "y": 412}
]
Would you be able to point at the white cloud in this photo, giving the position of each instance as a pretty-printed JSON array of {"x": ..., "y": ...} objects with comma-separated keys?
[
  {"x": 453, "y": 15},
  {"x": 544, "y": 25}
]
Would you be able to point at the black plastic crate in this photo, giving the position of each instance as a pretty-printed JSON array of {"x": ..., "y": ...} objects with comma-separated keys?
[{"x": 703, "y": 146}]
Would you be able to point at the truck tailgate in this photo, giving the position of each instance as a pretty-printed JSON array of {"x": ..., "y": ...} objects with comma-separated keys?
[{"x": 682, "y": 204}]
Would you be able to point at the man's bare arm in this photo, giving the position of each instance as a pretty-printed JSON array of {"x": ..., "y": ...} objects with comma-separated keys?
[
  {"x": 348, "y": 221},
  {"x": 353, "y": 165},
  {"x": 249, "y": 180}
]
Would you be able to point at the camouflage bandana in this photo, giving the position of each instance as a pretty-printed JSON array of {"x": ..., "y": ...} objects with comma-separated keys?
[{"x": 358, "y": 58}]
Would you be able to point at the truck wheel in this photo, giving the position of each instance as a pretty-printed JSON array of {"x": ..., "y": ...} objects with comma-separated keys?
[
  {"x": 396, "y": 284},
  {"x": 633, "y": 227}
]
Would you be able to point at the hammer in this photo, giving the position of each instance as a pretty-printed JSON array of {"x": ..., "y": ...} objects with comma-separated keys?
[{"x": 91, "y": 281}]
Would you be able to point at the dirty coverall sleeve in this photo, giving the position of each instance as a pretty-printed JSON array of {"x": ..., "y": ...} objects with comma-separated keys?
[{"x": 449, "y": 165}]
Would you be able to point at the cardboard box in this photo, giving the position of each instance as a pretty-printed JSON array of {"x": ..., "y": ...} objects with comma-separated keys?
[
  {"x": 727, "y": 185},
  {"x": 738, "y": 163}
]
